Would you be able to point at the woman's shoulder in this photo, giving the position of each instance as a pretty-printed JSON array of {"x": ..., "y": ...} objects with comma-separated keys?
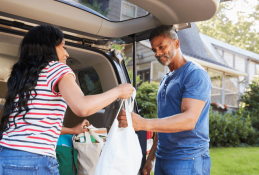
[
  {"x": 56, "y": 63},
  {"x": 53, "y": 65}
]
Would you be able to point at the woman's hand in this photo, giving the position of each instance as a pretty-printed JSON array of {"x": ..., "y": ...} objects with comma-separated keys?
[
  {"x": 125, "y": 90},
  {"x": 137, "y": 121}
]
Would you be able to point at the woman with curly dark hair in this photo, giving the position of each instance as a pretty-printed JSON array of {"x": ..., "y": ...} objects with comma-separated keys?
[{"x": 39, "y": 89}]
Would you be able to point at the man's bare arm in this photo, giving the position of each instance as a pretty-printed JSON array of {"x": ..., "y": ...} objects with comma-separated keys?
[{"x": 191, "y": 110}]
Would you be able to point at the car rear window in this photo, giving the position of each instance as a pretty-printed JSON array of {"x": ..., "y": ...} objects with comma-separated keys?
[
  {"x": 112, "y": 10},
  {"x": 89, "y": 82}
]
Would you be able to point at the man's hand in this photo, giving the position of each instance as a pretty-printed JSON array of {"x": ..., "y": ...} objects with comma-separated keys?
[
  {"x": 137, "y": 121},
  {"x": 148, "y": 167}
]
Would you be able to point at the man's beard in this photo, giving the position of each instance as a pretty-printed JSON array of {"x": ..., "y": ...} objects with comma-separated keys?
[{"x": 168, "y": 58}]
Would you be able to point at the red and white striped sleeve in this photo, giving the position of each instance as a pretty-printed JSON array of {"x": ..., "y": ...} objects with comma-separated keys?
[{"x": 55, "y": 72}]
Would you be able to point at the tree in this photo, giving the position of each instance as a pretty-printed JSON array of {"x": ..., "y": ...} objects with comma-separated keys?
[
  {"x": 242, "y": 33},
  {"x": 95, "y": 6},
  {"x": 251, "y": 95}
]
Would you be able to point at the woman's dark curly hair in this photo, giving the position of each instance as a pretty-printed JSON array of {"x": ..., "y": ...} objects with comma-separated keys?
[{"x": 37, "y": 49}]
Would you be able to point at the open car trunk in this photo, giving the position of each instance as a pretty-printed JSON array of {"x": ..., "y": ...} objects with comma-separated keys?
[{"x": 95, "y": 71}]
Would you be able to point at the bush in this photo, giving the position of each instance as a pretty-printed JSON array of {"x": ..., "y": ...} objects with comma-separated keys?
[
  {"x": 147, "y": 99},
  {"x": 251, "y": 96},
  {"x": 231, "y": 130}
]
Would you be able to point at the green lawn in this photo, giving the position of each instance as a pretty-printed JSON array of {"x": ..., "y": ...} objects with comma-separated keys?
[{"x": 235, "y": 161}]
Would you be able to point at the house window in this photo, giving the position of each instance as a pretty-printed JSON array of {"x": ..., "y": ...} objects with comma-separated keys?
[
  {"x": 224, "y": 92},
  {"x": 143, "y": 70},
  {"x": 231, "y": 98},
  {"x": 216, "y": 82},
  {"x": 216, "y": 78},
  {"x": 144, "y": 75},
  {"x": 128, "y": 10},
  {"x": 216, "y": 95},
  {"x": 231, "y": 90},
  {"x": 143, "y": 66},
  {"x": 231, "y": 83}
]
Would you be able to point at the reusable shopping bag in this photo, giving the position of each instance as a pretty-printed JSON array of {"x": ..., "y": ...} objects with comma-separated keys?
[
  {"x": 67, "y": 160},
  {"x": 88, "y": 152},
  {"x": 121, "y": 154}
]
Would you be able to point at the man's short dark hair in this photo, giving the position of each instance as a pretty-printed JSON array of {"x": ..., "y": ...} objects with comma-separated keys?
[{"x": 168, "y": 31}]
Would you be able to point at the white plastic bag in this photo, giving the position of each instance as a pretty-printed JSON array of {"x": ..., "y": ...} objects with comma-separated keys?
[
  {"x": 88, "y": 152},
  {"x": 121, "y": 153}
]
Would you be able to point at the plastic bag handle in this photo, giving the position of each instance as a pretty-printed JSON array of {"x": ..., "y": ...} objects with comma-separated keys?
[{"x": 128, "y": 114}]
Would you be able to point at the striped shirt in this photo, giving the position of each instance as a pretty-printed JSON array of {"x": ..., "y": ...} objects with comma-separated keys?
[{"x": 45, "y": 116}]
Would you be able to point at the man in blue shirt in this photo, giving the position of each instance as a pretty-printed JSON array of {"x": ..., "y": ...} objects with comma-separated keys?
[{"x": 181, "y": 145}]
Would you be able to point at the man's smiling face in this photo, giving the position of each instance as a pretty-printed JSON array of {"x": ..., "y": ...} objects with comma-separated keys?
[{"x": 164, "y": 49}]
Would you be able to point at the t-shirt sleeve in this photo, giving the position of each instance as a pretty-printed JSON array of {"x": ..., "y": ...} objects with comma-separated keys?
[
  {"x": 197, "y": 85},
  {"x": 56, "y": 71}
]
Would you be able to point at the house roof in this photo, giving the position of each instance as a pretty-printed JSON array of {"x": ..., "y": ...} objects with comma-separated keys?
[
  {"x": 192, "y": 45},
  {"x": 214, "y": 42}
]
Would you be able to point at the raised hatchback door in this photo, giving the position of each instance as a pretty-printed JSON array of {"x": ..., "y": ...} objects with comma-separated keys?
[{"x": 109, "y": 18}]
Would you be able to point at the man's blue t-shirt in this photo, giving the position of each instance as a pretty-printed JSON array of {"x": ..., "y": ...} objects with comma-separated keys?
[{"x": 189, "y": 81}]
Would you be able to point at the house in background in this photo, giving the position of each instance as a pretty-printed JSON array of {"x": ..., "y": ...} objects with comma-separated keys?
[{"x": 230, "y": 68}]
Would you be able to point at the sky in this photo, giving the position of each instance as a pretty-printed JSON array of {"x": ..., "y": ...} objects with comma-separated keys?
[{"x": 240, "y": 7}]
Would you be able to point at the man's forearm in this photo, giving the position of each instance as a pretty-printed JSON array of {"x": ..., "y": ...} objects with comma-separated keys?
[{"x": 172, "y": 124}]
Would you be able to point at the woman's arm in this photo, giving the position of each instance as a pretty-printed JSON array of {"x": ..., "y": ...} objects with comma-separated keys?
[{"x": 87, "y": 105}]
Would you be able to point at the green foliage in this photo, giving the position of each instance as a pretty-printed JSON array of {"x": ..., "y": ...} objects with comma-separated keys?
[
  {"x": 251, "y": 96},
  {"x": 242, "y": 33},
  {"x": 250, "y": 101},
  {"x": 147, "y": 99},
  {"x": 231, "y": 130},
  {"x": 95, "y": 6},
  {"x": 138, "y": 80}
]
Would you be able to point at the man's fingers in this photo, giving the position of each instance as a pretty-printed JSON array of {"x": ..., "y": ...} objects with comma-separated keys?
[
  {"x": 123, "y": 125},
  {"x": 121, "y": 117},
  {"x": 122, "y": 112},
  {"x": 86, "y": 122}
]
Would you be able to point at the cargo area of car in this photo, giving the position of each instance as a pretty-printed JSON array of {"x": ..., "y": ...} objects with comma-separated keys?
[{"x": 94, "y": 74}]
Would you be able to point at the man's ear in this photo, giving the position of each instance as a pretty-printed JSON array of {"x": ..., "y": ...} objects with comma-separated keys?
[{"x": 176, "y": 43}]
